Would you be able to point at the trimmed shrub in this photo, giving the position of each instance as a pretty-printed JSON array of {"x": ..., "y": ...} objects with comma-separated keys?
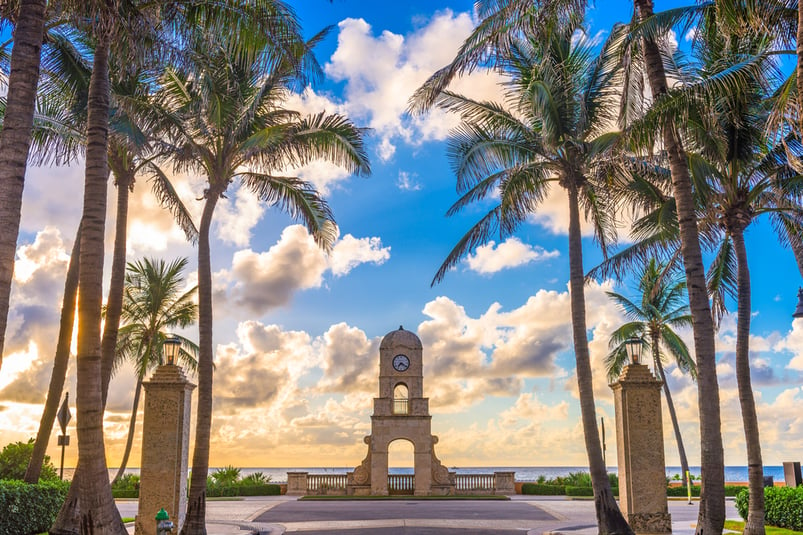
[
  {"x": 579, "y": 491},
  {"x": 540, "y": 489},
  {"x": 783, "y": 506},
  {"x": 125, "y": 493},
  {"x": 245, "y": 490},
  {"x": 27, "y": 509},
  {"x": 682, "y": 491},
  {"x": 268, "y": 489}
]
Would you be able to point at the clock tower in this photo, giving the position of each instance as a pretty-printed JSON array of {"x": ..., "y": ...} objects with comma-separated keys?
[{"x": 401, "y": 412}]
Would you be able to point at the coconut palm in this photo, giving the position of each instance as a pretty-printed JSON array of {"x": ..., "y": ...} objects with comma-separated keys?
[
  {"x": 558, "y": 97},
  {"x": 662, "y": 307},
  {"x": 232, "y": 125},
  {"x": 15, "y": 137},
  {"x": 711, "y": 516},
  {"x": 154, "y": 302}
]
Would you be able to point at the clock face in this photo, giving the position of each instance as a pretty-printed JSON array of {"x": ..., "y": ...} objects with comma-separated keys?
[{"x": 401, "y": 363}]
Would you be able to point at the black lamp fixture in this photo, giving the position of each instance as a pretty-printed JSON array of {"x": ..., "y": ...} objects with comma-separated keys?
[
  {"x": 170, "y": 347},
  {"x": 633, "y": 349},
  {"x": 799, "y": 310}
]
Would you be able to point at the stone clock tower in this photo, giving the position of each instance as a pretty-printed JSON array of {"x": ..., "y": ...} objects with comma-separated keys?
[{"x": 401, "y": 412}]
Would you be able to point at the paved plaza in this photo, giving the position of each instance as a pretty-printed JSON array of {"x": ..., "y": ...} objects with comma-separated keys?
[{"x": 530, "y": 515}]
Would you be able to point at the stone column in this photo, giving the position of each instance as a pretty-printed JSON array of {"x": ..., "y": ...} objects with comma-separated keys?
[
  {"x": 505, "y": 483},
  {"x": 165, "y": 447},
  {"x": 640, "y": 445}
]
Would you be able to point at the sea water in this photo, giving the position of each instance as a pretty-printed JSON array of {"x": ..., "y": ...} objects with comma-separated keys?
[{"x": 523, "y": 473}]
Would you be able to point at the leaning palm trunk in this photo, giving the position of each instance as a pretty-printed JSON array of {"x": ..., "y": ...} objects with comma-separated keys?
[
  {"x": 659, "y": 368},
  {"x": 131, "y": 426},
  {"x": 114, "y": 302},
  {"x": 711, "y": 517},
  {"x": 60, "y": 364},
  {"x": 15, "y": 140},
  {"x": 195, "y": 523},
  {"x": 98, "y": 513},
  {"x": 755, "y": 466},
  {"x": 609, "y": 517}
]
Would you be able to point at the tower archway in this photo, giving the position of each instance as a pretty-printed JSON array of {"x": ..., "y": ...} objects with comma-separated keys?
[{"x": 401, "y": 414}]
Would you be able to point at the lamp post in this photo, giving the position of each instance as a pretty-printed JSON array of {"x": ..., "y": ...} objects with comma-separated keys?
[
  {"x": 633, "y": 349},
  {"x": 170, "y": 348},
  {"x": 799, "y": 310}
]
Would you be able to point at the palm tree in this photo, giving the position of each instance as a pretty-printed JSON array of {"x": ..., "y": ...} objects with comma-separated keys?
[
  {"x": 153, "y": 303},
  {"x": 712, "y": 501},
  {"x": 231, "y": 125},
  {"x": 551, "y": 130},
  {"x": 662, "y": 308},
  {"x": 15, "y": 137}
]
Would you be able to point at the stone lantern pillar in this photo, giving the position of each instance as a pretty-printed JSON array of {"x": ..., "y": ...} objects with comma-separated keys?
[
  {"x": 165, "y": 448},
  {"x": 640, "y": 445}
]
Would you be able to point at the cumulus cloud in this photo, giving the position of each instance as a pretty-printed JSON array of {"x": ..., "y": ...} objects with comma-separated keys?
[
  {"x": 260, "y": 282},
  {"x": 511, "y": 253},
  {"x": 379, "y": 85},
  {"x": 235, "y": 218}
]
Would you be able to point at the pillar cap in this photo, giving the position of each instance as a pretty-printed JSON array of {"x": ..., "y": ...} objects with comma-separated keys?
[{"x": 636, "y": 373}]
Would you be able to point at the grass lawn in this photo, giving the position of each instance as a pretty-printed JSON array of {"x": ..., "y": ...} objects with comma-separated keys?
[{"x": 734, "y": 525}]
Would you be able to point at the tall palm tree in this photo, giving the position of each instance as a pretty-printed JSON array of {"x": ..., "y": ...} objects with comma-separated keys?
[
  {"x": 711, "y": 516},
  {"x": 551, "y": 130},
  {"x": 661, "y": 308},
  {"x": 153, "y": 304},
  {"x": 231, "y": 125},
  {"x": 15, "y": 137}
]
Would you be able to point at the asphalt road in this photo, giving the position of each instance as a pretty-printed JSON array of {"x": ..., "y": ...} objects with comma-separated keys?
[{"x": 312, "y": 510}]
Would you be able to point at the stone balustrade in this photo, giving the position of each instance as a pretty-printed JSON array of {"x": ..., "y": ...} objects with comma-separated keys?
[{"x": 304, "y": 483}]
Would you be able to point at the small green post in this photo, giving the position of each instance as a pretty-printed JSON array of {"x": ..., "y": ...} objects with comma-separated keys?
[{"x": 163, "y": 523}]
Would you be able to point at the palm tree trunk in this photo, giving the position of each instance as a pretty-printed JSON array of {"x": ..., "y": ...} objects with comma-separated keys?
[
  {"x": 609, "y": 517},
  {"x": 711, "y": 517},
  {"x": 796, "y": 243},
  {"x": 60, "y": 363},
  {"x": 15, "y": 140},
  {"x": 799, "y": 80},
  {"x": 755, "y": 466},
  {"x": 131, "y": 426},
  {"x": 114, "y": 302},
  {"x": 659, "y": 368},
  {"x": 98, "y": 511},
  {"x": 195, "y": 523}
]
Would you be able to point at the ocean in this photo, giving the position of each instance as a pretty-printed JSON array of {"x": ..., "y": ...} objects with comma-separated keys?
[{"x": 523, "y": 473}]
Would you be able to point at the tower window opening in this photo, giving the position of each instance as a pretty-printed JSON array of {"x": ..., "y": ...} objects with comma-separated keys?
[{"x": 401, "y": 401}]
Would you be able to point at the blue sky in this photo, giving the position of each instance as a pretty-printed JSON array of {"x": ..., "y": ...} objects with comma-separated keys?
[{"x": 297, "y": 333}]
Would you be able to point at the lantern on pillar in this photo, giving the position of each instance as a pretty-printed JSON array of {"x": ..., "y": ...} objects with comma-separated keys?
[
  {"x": 170, "y": 348},
  {"x": 799, "y": 310},
  {"x": 633, "y": 349}
]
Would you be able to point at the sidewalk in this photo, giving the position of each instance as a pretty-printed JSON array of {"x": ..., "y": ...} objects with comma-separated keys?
[{"x": 571, "y": 517}]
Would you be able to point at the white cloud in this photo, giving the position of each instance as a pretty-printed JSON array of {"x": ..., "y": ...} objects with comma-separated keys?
[
  {"x": 407, "y": 182},
  {"x": 511, "y": 253},
  {"x": 263, "y": 281},
  {"x": 349, "y": 252},
  {"x": 379, "y": 85},
  {"x": 235, "y": 218}
]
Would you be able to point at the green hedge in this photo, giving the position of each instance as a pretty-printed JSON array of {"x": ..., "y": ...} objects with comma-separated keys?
[
  {"x": 730, "y": 490},
  {"x": 26, "y": 509},
  {"x": 540, "y": 489},
  {"x": 125, "y": 493},
  {"x": 579, "y": 491},
  {"x": 244, "y": 490},
  {"x": 783, "y": 506}
]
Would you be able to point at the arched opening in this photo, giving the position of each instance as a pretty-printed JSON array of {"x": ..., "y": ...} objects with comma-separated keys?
[
  {"x": 401, "y": 401},
  {"x": 401, "y": 463}
]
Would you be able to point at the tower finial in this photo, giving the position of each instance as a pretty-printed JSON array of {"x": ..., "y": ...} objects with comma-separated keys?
[{"x": 401, "y": 328}]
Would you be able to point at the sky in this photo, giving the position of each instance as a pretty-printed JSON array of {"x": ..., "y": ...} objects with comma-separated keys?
[{"x": 297, "y": 332}]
